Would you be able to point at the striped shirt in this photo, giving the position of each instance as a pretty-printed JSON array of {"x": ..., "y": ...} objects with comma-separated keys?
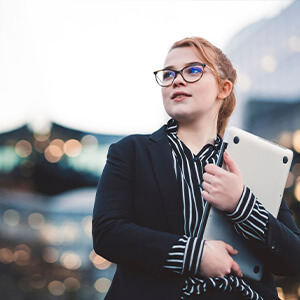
[{"x": 250, "y": 220}]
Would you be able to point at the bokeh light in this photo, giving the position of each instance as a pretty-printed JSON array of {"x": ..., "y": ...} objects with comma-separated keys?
[
  {"x": 297, "y": 189},
  {"x": 296, "y": 169},
  {"x": 56, "y": 288},
  {"x": 280, "y": 293},
  {"x": 41, "y": 145},
  {"x": 11, "y": 217},
  {"x": 72, "y": 148},
  {"x": 6, "y": 256},
  {"x": 21, "y": 258},
  {"x": 23, "y": 148},
  {"x": 244, "y": 83},
  {"x": 53, "y": 153},
  {"x": 71, "y": 284},
  {"x": 70, "y": 231},
  {"x": 36, "y": 220},
  {"x": 98, "y": 261},
  {"x": 286, "y": 139},
  {"x": 89, "y": 143},
  {"x": 70, "y": 260},
  {"x": 52, "y": 234},
  {"x": 268, "y": 63},
  {"x": 296, "y": 140},
  {"x": 21, "y": 255},
  {"x": 41, "y": 137},
  {"x": 290, "y": 180},
  {"x": 87, "y": 225},
  {"x": 37, "y": 281},
  {"x": 294, "y": 43},
  {"x": 59, "y": 143},
  {"x": 50, "y": 255},
  {"x": 102, "y": 285},
  {"x": 23, "y": 247}
]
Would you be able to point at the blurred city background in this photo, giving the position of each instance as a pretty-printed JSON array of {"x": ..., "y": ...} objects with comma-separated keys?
[{"x": 49, "y": 168}]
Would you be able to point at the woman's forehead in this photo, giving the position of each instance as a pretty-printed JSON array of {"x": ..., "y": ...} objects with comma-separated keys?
[{"x": 180, "y": 57}]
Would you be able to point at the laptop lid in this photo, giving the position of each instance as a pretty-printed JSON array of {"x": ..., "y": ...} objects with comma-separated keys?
[{"x": 264, "y": 167}]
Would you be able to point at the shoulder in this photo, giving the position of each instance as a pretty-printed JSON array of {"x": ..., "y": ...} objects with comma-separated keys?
[
  {"x": 136, "y": 146},
  {"x": 129, "y": 144},
  {"x": 141, "y": 140}
]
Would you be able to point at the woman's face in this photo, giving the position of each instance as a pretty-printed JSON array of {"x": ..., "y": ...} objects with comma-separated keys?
[{"x": 190, "y": 102}]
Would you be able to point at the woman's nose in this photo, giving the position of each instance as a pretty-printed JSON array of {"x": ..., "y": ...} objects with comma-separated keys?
[{"x": 178, "y": 80}]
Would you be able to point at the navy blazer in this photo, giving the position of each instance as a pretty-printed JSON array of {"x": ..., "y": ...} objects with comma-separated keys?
[{"x": 138, "y": 218}]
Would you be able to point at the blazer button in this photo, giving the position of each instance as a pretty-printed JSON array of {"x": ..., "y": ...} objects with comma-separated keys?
[{"x": 273, "y": 247}]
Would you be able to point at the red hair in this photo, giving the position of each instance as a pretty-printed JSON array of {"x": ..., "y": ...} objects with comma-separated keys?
[{"x": 222, "y": 66}]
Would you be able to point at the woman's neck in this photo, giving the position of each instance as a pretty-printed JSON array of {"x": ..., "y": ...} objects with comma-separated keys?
[{"x": 195, "y": 136}]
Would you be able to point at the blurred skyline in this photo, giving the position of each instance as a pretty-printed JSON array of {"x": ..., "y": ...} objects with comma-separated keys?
[{"x": 75, "y": 62}]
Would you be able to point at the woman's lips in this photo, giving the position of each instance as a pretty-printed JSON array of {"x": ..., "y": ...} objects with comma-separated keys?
[{"x": 180, "y": 96}]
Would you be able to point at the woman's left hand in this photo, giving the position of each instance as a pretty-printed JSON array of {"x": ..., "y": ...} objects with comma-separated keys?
[{"x": 222, "y": 188}]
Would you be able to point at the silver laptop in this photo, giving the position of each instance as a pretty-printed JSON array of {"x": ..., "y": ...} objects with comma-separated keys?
[{"x": 265, "y": 167}]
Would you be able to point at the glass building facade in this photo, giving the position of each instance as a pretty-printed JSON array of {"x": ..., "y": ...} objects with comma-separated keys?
[
  {"x": 48, "y": 185},
  {"x": 266, "y": 55}
]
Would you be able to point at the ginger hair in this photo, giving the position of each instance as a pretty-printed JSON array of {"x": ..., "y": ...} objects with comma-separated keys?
[{"x": 223, "y": 69}]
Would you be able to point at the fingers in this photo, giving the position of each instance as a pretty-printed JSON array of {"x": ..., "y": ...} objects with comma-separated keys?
[
  {"x": 210, "y": 183},
  {"x": 231, "y": 164},
  {"x": 230, "y": 249},
  {"x": 207, "y": 187},
  {"x": 208, "y": 177},
  {"x": 213, "y": 169},
  {"x": 216, "y": 260},
  {"x": 235, "y": 269},
  {"x": 207, "y": 197}
]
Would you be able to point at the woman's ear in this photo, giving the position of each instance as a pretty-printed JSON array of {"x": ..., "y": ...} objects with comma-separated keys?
[{"x": 225, "y": 89}]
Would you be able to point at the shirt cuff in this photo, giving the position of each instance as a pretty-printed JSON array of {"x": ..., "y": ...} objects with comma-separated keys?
[
  {"x": 185, "y": 256},
  {"x": 250, "y": 217}
]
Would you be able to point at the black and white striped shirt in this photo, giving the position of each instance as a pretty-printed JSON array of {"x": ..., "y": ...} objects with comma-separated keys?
[{"x": 250, "y": 220}]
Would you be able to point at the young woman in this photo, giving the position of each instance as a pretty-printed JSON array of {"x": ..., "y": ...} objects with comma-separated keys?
[{"x": 154, "y": 188}]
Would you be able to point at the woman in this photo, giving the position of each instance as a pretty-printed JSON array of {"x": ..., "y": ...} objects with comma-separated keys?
[{"x": 154, "y": 188}]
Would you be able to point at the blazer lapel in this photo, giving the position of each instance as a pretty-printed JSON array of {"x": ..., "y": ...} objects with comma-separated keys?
[{"x": 163, "y": 166}]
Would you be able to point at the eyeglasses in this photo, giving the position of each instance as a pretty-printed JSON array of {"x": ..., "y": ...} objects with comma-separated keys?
[{"x": 191, "y": 73}]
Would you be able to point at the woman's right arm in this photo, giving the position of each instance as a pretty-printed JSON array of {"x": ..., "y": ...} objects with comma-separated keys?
[{"x": 116, "y": 236}]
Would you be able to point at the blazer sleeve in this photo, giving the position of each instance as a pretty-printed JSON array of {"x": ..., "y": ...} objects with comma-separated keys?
[
  {"x": 116, "y": 236},
  {"x": 281, "y": 250}
]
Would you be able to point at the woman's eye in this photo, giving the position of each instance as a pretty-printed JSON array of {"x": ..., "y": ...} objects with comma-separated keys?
[
  {"x": 194, "y": 70},
  {"x": 168, "y": 75}
]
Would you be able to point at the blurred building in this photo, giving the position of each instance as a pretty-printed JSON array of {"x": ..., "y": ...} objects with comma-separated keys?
[
  {"x": 47, "y": 190},
  {"x": 266, "y": 55},
  {"x": 53, "y": 161}
]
